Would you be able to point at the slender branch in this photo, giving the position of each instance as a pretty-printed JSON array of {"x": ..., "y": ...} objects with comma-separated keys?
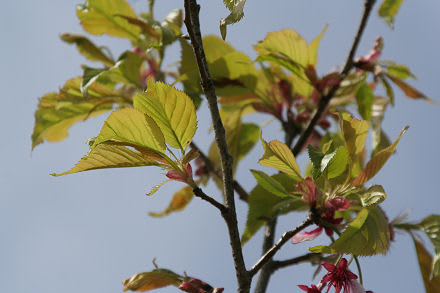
[
  {"x": 323, "y": 102},
  {"x": 199, "y": 193},
  {"x": 286, "y": 236},
  {"x": 242, "y": 194},
  {"x": 266, "y": 270},
  {"x": 279, "y": 264},
  {"x": 193, "y": 26}
]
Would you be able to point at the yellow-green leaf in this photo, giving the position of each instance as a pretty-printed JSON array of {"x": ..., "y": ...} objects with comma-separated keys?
[
  {"x": 172, "y": 110},
  {"x": 377, "y": 162},
  {"x": 431, "y": 226},
  {"x": 367, "y": 234},
  {"x": 355, "y": 133},
  {"x": 132, "y": 127},
  {"x": 279, "y": 156},
  {"x": 155, "y": 279},
  {"x": 389, "y": 9},
  {"x": 372, "y": 196},
  {"x": 425, "y": 261},
  {"x": 180, "y": 200},
  {"x": 106, "y": 156},
  {"x": 56, "y": 112},
  {"x": 270, "y": 184},
  {"x": 313, "y": 47},
  {"x": 87, "y": 48},
  {"x": 98, "y": 17},
  {"x": 236, "y": 8}
]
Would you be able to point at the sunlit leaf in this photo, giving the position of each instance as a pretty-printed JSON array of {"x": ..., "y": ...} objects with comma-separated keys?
[
  {"x": 279, "y": 156},
  {"x": 337, "y": 164},
  {"x": 408, "y": 90},
  {"x": 367, "y": 234},
  {"x": 388, "y": 10},
  {"x": 388, "y": 89},
  {"x": 131, "y": 127},
  {"x": 379, "y": 140},
  {"x": 425, "y": 263},
  {"x": 57, "y": 112},
  {"x": 355, "y": 134},
  {"x": 172, "y": 110},
  {"x": 155, "y": 279},
  {"x": 263, "y": 205},
  {"x": 87, "y": 48},
  {"x": 270, "y": 184},
  {"x": 97, "y": 17},
  {"x": 431, "y": 226},
  {"x": 377, "y": 162},
  {"x": 236, "y": 8},
  {"x": 372, "y": 196},
  {"x": 180, "y": 200},
  {"x": 364, "y": 100},
  {"x": 106, "y": 156},
  {"x": 398, "y": 70}
]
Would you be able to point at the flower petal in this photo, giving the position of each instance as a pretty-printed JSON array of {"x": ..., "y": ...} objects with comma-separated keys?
[{"x": 306, "y": 236}]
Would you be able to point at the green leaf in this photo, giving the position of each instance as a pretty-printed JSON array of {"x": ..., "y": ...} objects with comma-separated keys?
[
  {"x": 388, "y": 10},
  {"x": 364, "y": 99},
  {"x": 263, "y": 205},
  {"x": 355, "y": 134},
  {"x": 377, "y": 162},
  {"x": 279, "y": 156},
  {"x": 315, "y": 156},
  {"x": 367, "y": 234},
  {"x": 106, "y": 156},
  {"x": 379, "y": 140},
  {"x": 432, "y": 285},
  {"x": 180, "y": 200},
  {"x": 431, "y": 226},
  {"x": 125, "y": 71},
  {"x": 408, "y": 90},
  {"x": 172, "y": 110},
  {"x": 248, "y": 138},
  {"x": 56, "y": 112},
  {"x": 269, "y": 183},
  {"x": 399, "y": 71},
  {"x": 337, "y": 164},
  {"x": 372, "y": 196},
  {"x": 98, "y": 17},
  {"x": 236, "y": 8},
  {"x": 87, "y": 48},
  {"x": 388, "y": 89},
  {"x": 131, "y": 127},
  {"x": 155, "y": 279}
]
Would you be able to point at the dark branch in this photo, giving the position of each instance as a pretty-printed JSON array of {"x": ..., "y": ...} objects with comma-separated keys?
[
  {"x": 266, "y": 270},
  {"x": 193, "y": 26},
  {"x": 272, "y": 251},
  {"x": 279, "y": 264},
  {"x": 243, "y": 195},
  {"x": 323, "y": 102},
  {"x": 199, "y": 193}
]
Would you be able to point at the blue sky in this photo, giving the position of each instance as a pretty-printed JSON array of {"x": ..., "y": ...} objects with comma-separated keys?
[{"x": 87, "y": 232}]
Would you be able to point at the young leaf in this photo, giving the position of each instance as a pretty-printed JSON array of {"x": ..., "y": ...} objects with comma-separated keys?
[
  {"x": 364, "y": 99},
  {"x": 56, "y": 112},
  {"x": 432, "y": 285},
  {"x": 367, "y": 234},
  {"x": 408, "y": 90},
  {"x": 399, "y": 71},
  {"x": 269, "y": 183},
  {"x": 155, "y": 279},
  {"x": 106, "y": 156},
  {"x": 355, "y": 133},
  {"x": 337, "y": 164},
  {"x": 172, "y": 110},
  {"x": 431, "y": 226},
  {"x": 180, "y": 200},
  {"x": 279, "y": 156},
  {"x": 131, "y": 127},
  {"x": 263, "y": 205},
  {"x": 97, "y": 17},
  {"x": 388, "y": 89},
  {"x": 379, "y": 140},
  {"x": 372, "y": 196},
  {"x": 87, "y": 48},
  {"x": 236, "y": 8},
  {"x": 388, "y": 10},
  {"x": 377, "y": 162}
]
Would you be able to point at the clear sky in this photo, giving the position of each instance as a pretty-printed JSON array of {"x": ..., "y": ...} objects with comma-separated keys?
[{"x": 87, "y": 232}]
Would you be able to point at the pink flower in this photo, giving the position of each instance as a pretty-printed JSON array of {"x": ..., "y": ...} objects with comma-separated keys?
[
  {"x": 340, "y": 277},
  {"x": 312, "y": 289}
]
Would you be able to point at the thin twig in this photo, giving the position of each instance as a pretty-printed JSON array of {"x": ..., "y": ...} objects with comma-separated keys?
[
  {"x": 193, "y": 26},
  {"x": 323, "y": 102},
  {"x": 279, "y": 264},
  {"x": 272, "y": 251},
  {"x": 242, "y": 194},
  {"x": 266, "y": 270},
  {"x": 199, "y": 193}
]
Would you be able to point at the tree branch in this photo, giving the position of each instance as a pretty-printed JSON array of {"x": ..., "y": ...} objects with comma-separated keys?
[
  {"x": 323, "y": 102},
  {"x": 193, "y": 26},
  {"x": 274, "y": 249},
  {"x": 242, "y": 194},
  {"x": 279, "y": 264},
  {"x": 266, "y": 270},
  {"x": 199, "y": 193}
]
